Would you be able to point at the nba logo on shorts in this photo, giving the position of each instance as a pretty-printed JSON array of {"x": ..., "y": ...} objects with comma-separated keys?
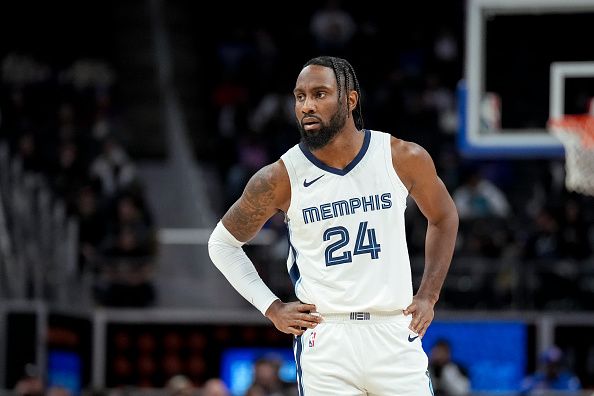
[{"x": 312, "y": 339}]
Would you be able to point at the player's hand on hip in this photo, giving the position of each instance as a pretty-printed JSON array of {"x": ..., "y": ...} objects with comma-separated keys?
[
  {"x": 293, "y": 317},
  {"x": 422, "y": 314}
]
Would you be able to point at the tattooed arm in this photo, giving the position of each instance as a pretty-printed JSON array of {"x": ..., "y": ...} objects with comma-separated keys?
[{"x": 267, "y": 192}]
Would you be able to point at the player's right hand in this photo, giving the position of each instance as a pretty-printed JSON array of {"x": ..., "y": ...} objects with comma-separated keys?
[
  {"x": 293, "y": 317},
  {"x": 422, "y": 310}
]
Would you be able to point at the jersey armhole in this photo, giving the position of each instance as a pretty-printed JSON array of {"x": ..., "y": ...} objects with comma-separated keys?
[
  {"x": 396, "y": 181},
  {"x": 285, "y": 158}
]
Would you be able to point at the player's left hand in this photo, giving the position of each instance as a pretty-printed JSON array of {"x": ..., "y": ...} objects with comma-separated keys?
[{"x": 422, "y": 314}]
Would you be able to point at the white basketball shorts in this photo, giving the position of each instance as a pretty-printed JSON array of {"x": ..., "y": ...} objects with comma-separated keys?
[{"x": 362, "y": 353}]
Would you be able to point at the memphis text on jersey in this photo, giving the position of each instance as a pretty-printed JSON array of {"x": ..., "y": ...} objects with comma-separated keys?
[{"x": 347, "y": 207}]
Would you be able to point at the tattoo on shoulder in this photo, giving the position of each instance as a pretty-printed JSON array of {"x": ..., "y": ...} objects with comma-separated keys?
[{"x": 255, "y": 206}]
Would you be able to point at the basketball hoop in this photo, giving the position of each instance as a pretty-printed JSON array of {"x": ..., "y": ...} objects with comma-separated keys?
[{"x": 576, "y": 133}]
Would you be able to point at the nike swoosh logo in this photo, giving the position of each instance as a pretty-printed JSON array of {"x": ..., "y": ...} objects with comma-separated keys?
[
  {"x": 411, "y": 339},
  {"x": 307, "y": 184}
]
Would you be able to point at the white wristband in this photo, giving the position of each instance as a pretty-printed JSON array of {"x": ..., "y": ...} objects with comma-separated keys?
[{"x": 228, "y": 256}]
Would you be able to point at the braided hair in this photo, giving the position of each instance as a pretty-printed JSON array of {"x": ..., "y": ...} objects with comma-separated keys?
[{"x": 346, "y": 80}]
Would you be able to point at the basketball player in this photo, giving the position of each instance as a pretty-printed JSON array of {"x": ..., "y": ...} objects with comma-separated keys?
[{"x": 343, "y": 191}]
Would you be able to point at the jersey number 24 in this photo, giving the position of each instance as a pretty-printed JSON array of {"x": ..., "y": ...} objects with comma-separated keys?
[{"x": 365, "y": 244}]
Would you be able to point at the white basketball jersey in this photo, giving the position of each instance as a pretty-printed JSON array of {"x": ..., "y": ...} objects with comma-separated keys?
[{"x": 347, "y": 240}]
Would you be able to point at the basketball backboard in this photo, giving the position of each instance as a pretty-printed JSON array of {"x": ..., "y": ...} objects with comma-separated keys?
[{"x": 506, "y": 95}]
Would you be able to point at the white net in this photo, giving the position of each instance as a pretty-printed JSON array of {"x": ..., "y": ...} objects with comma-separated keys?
[{"x": 576, "y": 132}]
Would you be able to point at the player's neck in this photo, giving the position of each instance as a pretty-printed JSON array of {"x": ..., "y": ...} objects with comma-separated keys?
[{"x": 341, "y": 150}]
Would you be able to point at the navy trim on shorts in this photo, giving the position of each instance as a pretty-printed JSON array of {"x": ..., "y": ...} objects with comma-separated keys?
[
  {"x": 430, "y": 383},
  {"x": 298, "y": 349}
]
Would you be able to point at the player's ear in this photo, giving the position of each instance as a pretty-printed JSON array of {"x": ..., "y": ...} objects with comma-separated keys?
[{"x": 353, "y": 100}]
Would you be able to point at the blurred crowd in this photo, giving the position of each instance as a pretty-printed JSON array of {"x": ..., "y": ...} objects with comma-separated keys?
[
  {"x": 265, "y": 381},
  {"x": 61, "y": 122}
]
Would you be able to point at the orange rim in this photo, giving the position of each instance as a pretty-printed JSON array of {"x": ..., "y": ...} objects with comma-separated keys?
[{"x": 582, "y": 125}]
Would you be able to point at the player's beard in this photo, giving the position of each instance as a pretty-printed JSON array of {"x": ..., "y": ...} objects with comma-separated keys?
[{"x": 317, "y": 139}]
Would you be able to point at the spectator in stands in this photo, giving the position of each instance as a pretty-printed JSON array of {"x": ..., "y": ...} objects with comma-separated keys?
[
  {"x": 448, "y": 377},
  {"x": 31, "y": 383},
  {"x": 552, "y": 375},
  {"x": 215, "y": 387},
  {"x": 484, "y": 211},
  {"x": 252, "y": 156},
  {"x": 179, "y": 385},
  {"x": 477, "y": 197},
  {"x": 130, "y": 230},
  {"x": 267, "y": 378},
  {"x": 69, "y": 174},
  {"x": 255, "y": 390},
  {"x": 57, "y": 390},
  {"x": 574, "y": 232},
  {"x": 66, "y": 129},
  {"x": 92, "y": 225},
  {"x": 27, "y": 151},
  {"x": 113, "y": 167},
  {"x": 125, "y": 270},
  {"x": 332, "y": 28},
  {"x": 446, "y": 54},
  {"x": 543, "y": 241}
]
